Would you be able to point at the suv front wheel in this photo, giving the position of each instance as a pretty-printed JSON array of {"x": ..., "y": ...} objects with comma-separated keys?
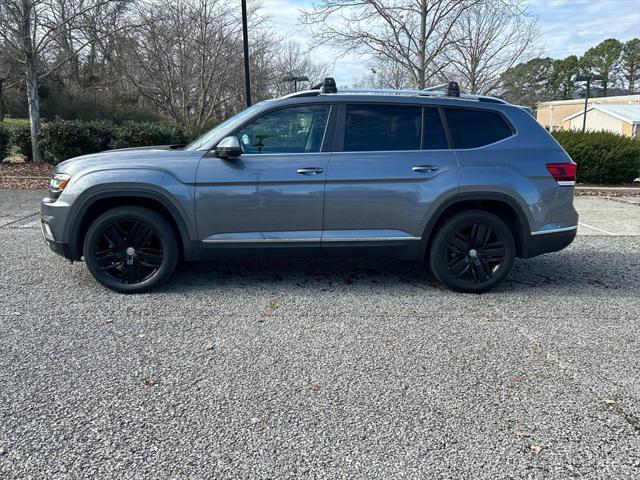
[
  {"x": 130, "y": 249},
  {"x": 472, "y": 251}
]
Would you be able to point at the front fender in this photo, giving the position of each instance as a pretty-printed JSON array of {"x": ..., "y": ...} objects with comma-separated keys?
[{"x": 175, "y": 196}]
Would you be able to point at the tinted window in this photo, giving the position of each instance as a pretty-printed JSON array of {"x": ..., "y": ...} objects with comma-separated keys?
[
  {"x": 382, "y": 127},
  {"x": 434, "y": 136},
  {"x": 287, "y": 130},
  {"x": 474, "y": 128}
]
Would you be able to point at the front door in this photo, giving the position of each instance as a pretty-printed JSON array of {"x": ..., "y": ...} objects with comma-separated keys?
[
  {"x": 391, "y": 162},
  {"x": 272, "y": 194}
]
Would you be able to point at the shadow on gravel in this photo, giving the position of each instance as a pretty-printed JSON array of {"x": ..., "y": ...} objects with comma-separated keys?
[
  {"x": 600, "y": 270},
  {"x": 302, "y": 273}
]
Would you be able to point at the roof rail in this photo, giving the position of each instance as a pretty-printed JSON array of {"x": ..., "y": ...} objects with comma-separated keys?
[
  {"x": 403, "y": 92},
  {"x": 328, "y": 87}
]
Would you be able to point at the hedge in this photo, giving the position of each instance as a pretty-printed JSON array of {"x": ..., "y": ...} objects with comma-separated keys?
[
  {"x": 602, "y": 157},
  {"x": 60, "y": 140},
  {"x": 63, "y": 139},
  {"x": 4, "y": 141},
  {"x": 142, "y": 134},
  {"x": 14, "y": 136}
]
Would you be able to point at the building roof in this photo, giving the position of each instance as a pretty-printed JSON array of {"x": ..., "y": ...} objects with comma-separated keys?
[
  {"x": 596, "y": 100},
  {"x": 627, "y": 113}
]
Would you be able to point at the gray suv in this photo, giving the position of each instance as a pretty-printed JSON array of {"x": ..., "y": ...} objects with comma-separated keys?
[{"x": 463, "y": 183}]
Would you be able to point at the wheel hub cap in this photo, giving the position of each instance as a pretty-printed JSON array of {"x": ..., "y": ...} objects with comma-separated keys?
[
  {"x": 130, "y": 251},
  {"x": 475, "y": 253}
]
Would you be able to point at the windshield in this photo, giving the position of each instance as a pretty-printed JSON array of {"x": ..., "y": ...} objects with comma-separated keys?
[{"x": 205, "y": 141}]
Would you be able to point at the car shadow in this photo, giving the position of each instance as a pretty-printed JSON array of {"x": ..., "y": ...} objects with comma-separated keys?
[{"x": 569, "y": 269}]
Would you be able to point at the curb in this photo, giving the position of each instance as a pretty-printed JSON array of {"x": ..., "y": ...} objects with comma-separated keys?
[
  {"x": 609, "y": 189},
  {"x": 23, "y": 177}
]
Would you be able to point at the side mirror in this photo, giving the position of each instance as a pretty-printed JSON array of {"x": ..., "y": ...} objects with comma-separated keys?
[{"x": 228, "y": 147}]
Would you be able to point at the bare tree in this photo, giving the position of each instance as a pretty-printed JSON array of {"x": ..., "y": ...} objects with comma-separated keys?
[
  {"x": 389, "y": 74},
  {"x": 31, "y": 28},
  {"x": 411, "y": 33},
  {"x": 291, "y": 60},
  {"x": 8, "y": 73},
  {"x": 182, "y": 57},
  {"x": 94, "y": 28},
  {"x": 488, "y": 39}
]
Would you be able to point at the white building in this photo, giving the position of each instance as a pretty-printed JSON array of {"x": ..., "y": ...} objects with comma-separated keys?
[{"x": 622, "y": 119}]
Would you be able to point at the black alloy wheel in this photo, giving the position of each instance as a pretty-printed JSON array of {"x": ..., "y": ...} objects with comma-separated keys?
[
  {"x": 130, "y": 249},
  {"x": 472, "y": 252}
]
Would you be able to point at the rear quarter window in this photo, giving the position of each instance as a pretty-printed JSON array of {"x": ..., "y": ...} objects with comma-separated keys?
[{"x": 471, "y": 128}]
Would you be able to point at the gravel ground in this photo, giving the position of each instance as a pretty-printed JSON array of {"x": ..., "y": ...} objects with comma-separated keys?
[{"x": 323, "y": 369}]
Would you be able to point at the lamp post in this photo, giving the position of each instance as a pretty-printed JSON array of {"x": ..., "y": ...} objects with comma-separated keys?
[
  {"x": 245, "y": 41},
  {"x": 632, "y": 81},
  {"x": 590, "y": 77},
  {"x": 295, "y": 80}
]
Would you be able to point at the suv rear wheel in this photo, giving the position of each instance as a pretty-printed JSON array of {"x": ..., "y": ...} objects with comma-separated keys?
[
  {"x": 472, "y": 252},
  {"x": 130, "y": 249}
]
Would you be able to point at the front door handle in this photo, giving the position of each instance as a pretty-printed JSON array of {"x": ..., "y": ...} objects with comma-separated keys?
[
  {"x": 310, "y": 170},
  {"x": 425, "y": 168}
]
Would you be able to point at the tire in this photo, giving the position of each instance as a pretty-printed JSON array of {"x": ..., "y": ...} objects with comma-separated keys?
[
  {"x": 472, "y": 252},
  {"x": 130, "y": 249}
]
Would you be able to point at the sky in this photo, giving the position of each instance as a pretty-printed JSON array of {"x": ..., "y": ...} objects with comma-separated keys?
[{"x": 567, "y": 27}]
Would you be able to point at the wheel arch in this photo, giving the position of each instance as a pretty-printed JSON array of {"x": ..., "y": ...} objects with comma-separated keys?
[
  {"x": 99, "y": 202},
  {"x": 499, "y": 204}
]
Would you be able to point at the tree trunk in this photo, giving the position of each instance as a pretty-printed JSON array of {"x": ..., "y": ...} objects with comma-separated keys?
[
  {"x": 31, "y": 72},
  {"x": 1, "y": 100},
  {"x": 422, "y": 45},
  {"x": 34, "y": 111}
]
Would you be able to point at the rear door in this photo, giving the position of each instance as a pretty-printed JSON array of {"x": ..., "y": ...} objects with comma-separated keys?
[{"x": 390, "y": 163}]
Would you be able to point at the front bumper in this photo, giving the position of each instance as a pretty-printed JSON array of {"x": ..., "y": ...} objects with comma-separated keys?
[{"x": 52, "y": 218}]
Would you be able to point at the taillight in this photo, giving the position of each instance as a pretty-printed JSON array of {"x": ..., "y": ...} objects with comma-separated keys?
[{"x": 563, "y": 173}]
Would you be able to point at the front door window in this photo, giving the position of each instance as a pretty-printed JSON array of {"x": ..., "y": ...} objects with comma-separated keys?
[{"x": 286, "y": 130}]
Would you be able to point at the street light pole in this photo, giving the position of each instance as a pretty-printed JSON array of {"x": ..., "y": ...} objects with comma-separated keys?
[
  {"x": 587, "y": 78},
  {"x": 586, "y": 102},
  {"x": 245, "y": 41},
  {"x": 295, "y": 80}
]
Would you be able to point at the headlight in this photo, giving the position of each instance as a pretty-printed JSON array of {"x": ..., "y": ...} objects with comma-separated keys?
[{"x": 58, "y": 183}]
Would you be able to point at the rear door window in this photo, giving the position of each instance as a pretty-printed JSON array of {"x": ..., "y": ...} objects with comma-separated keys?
[
  {"x": 471, "y": 128},
  {"x": 382, "y": 128}
]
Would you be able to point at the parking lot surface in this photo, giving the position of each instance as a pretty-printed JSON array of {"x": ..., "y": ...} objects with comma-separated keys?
[{"x": 323, "y": 369}]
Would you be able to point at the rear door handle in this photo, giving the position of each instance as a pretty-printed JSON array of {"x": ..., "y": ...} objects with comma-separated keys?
[
  {"x": 425, "y": 168},
  {"x": 310, "y": 170}
]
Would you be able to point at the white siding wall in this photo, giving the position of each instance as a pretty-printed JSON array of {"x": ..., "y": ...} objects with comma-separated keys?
[{"x": 597, "y": 120}]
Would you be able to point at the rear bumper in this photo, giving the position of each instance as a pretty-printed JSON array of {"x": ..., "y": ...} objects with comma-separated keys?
[{"x": 549, "y": 242}]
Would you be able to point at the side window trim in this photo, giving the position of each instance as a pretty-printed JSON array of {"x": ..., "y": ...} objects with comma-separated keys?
[
  {"x": 422, "y": 129},
  {"x": 444, "y": 127},
  {"x": 330, "y": 129},
  {"x": 340, "y": 127},
  {"x": 326, "y": 135}
]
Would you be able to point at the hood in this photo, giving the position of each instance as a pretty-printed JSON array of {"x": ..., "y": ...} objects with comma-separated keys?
[{"x": 178, "y": 163}]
